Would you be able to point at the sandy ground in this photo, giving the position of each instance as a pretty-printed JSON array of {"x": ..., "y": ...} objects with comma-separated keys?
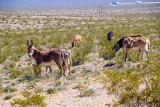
[{"x": 68, "y": 97}]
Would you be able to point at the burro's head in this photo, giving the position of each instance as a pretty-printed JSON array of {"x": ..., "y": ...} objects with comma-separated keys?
[{"x": 30, "y": 48}]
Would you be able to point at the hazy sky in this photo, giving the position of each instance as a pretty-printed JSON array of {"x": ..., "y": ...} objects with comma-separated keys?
[
  {"x": 41, "y": 2},
  {"x": 59, "y": 3}
]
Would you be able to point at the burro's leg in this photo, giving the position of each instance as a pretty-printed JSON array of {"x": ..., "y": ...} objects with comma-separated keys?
[
  {"x": 50, "y": 69},
  {"x": 40, "y": 71},
  {"x": 126, "y": 55},
  {"x": 63, "y": 68}
]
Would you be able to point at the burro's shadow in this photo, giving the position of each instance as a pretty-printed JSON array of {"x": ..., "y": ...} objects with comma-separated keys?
[{"x": 109, "y": 65}]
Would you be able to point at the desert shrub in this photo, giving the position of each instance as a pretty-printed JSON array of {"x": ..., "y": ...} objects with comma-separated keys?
[
  {"x": 85, "y": 72},
  {"x": 51, "y": 91},
  {"x": 13, "y": 83},
  {"x": 28, "y": 74},
  {"x": 10, "y": 64},
  {"x": 15, "y": 72},
  {"x": 36, "y": 70},
  {"x": 79, "y": 53},
  {"x": 26, "y": 93},
  {"x": 29, "y": 100},
  {"x": 8, "y": 97},
  {"x": 31, "y": 85},
  {"x": 17, "y": 52},
  {"x": 58, "y": 41},
  {"x": 126, "y": 84},
  {"x": 2, "y": 56},
  {"x": 9, "y": 89},
  {"x": 57, "y": 82},
  {"x": 38, "y": 90},
  {"x": 96, "y": 73},
  {"x": 1, "y": 88},
  {"x": 86, "y": 92},
  {"x": 105, "y": 49}
]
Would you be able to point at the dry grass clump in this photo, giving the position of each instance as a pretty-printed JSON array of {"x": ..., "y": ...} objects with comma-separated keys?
[{"x": 86, "y": 92}]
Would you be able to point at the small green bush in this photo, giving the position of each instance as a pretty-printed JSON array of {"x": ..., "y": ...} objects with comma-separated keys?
[
  {"x": 57, "y": 82},
  {"x": 31, "y": 85},
  {"x": 38, "y": 90},
  {"x": 29, "y": 100},
  {"x": 10, "y": 64},
  {"x": 85, "y": 72},
  {"x": 15, "y": 72},
  {"x": 9, "y": 89},
  {"x": 26, "y": 93},
  {"x": 1, "y": 88},
  {"x": 86, "y": 92},
  {"x": 8, "y": 97},
  {"x": 51, "y": 91},
  {"x": 79, "y": 53},
  {"x": 105, "y": 49},
  {"x": 126, "y": 84}
]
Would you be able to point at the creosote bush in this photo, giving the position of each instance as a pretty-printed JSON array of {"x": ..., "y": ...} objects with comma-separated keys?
[
  {"x": 9, "y": 89},
  {"x": 127, "y": 84},
  {"x": 1, "y": 89},
  {"x": 51, "y": 91},
  {"x": 15, "y": 72},
  {"x": 105, "y": 49},
  {"x": 8, "y": 97},
  {"x": 79, "y": 53},
  {"x": 86, "y": 92},
  {"x": 86, "y": 72},
  {"x": 39, "y": 90},
  {"x": 29, "y": 100}
]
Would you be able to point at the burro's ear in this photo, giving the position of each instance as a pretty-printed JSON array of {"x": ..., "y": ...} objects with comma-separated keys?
[{"x": 27, "y": 42}]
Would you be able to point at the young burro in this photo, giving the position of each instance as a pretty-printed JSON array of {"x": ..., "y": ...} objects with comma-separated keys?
[
  {"x": 57, "y": 57},
  {"x": 135, "y": 42}
]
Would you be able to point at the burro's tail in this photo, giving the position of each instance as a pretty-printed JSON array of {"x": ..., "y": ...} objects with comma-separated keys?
[
  {"x": 68, "y": 60},
  {"x": 63, "y": 59},
  {"x": 67, "y": 56}
]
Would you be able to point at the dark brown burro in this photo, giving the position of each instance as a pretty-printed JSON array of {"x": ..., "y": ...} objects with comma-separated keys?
[
  {"x": 135, "y": 42},
  {"x": 110, "y": 35},
  {"x": 55, "y": 56}
]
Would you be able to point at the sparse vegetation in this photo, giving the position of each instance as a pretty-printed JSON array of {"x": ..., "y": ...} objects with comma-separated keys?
[
  {"x": 15, "y": 72},
  {"x": 9, "y": 89},
  {"x": 135, "y": 82},
  {"x": 86, "y": 92},
  {"x": 1, "y": 89},
  {"x": 86, "y": 72},
  {"x": 79, "y": 53},
  {"x": 29, "y": 100},
  {"x": 51, "y": 91},
  {"x": 137, "y": 86},
  {"x": 31, "y": 85},
  {"x": 8, "y": 97},
  {"x": 39, "y": 90},
  {"x": 57, "y": 82}
]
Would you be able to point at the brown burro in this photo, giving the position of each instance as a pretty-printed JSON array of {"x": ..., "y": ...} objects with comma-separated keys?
[
  {"x": 135, "y": 42},
  {"x": 76, "y": 40},
  {"x": 55, "y": 56}
]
